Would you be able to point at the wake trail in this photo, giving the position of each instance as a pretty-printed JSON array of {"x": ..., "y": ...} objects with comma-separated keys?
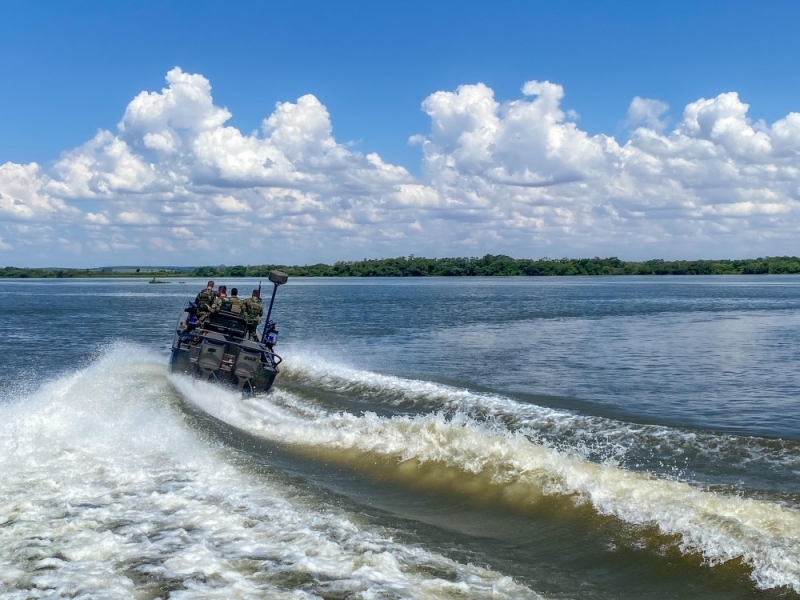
[
  {"x": 484, "y": 458},
  {"x": 640, "y": 446},
  {"x": 106, "y": 492}
]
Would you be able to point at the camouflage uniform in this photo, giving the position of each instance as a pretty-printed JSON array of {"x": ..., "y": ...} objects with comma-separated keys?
[
  {"x": 221, "y": 303},
  {"x": 204, "y": 303},
  {"x": 236, "y": 305},
  {"x": 253, "y": 311}
]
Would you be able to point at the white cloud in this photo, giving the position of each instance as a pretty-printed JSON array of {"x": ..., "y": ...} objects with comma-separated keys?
[
  {"x": 97, "y": 218},
  {"x": 230, "y": 204},
  {"x": 23, "y": 195},
  {"x": 525, "y": 167},
  {"x": 477, "y": 142},
  {"x": 168, "y": 121},
  {"x": 181, "y": 232},
  {"x": 515, "y": 176},
  {"x": 723, "y": 121},
  {"x": 647, "y": 112},
  {"x": 136, "y": 218},
  {"x": 103, "y": 167}
]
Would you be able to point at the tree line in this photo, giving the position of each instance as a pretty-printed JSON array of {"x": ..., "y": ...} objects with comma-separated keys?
[
  {"x": 23, "y": 273},
  {"x": 488, "y": 265},
  {"x": 414, "y": 266},
  {"x": 502, "y": 265}
]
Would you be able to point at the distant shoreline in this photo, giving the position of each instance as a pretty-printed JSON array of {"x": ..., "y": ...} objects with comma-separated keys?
[{"x": 411, "y": 266}]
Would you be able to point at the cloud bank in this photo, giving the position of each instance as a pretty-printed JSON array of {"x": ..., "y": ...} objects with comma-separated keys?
[{"x": 176, "y": 185}]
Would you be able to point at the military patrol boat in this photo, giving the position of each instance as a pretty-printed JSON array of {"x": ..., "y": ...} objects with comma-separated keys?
[{"x": 219, "y": 351}]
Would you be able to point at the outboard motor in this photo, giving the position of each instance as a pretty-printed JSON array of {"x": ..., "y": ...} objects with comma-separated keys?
[
  {"x": 248, "y": 364},
  {"x": 212, "y": 350}
]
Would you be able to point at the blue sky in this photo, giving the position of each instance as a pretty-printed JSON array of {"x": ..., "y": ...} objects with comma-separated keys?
[{"x": 72, "y": 68}]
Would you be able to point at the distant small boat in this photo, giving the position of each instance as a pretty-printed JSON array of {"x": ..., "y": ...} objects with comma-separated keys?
[{"x": 154, "y": 280}]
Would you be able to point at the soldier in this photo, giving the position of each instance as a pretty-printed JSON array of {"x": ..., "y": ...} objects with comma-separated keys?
[
  {"x": 253, "y": 311},
  {"x": 204, "y": 303},
  {"x": 221, "y": 302},
  {"x": 237, "y": 307}
]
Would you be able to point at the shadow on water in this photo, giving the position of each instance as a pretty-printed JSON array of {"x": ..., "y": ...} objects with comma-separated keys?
[{"x": 542, "y": 541}]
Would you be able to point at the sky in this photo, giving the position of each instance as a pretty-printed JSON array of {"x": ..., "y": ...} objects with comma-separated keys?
[{"x": 195, "y": 133}]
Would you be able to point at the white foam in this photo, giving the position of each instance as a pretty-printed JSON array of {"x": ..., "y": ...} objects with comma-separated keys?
[
  {"x": 763, "y": 535},
  {"x": 608, "y": 439},
  {"x": 106, "y": 493}
]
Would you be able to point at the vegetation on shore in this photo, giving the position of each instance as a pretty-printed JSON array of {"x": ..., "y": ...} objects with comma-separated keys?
[
  {"x": 413, "y": 266},
  {"x": 23, "y": 273}
]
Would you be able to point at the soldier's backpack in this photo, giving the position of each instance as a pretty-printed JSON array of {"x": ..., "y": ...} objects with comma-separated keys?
[
  {"x": 205, "y": 299},
  {"x": 235, "y": 305}
]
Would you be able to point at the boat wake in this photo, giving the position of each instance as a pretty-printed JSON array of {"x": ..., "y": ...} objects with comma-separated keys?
[
  {"x": 712, "y": 458},
  {"x": 498, "y": 451},
  {"x": 107, "y": 492}
]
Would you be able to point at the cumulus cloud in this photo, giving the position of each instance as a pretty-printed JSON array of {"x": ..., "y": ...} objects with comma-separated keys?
[
  {"x": 716, "y": 179},
  {"x": 23, "y": 194},
  {"x": 647, "y": 112},
  {"x": 517, "y": 176}
]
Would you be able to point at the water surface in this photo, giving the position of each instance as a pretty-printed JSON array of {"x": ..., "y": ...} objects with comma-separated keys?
[{"x": 428, "y": 438}]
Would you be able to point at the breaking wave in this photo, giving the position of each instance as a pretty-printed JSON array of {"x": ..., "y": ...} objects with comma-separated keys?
[
  {"x": 107, "y": 492},
  {"x": 681, "y": 453},
  {"x": 499, "y": 451}
]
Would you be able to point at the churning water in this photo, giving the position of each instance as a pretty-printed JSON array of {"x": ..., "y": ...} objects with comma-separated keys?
[{"x": 436, "y": 438}]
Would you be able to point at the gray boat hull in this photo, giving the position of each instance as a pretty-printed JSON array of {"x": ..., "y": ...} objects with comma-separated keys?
[{"x": 223, "y": 356}]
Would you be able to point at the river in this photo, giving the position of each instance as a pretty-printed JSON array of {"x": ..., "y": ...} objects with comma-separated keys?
[{"x": 610, "y": 437}]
